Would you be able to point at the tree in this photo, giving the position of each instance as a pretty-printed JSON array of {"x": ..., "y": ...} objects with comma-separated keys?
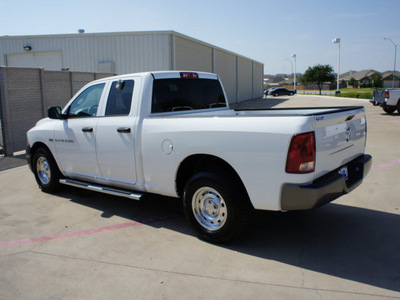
[
  {"x": 376, "y": 80},
  {"x": 318, "y": 75},
  {"x": 353, "y": 82}
]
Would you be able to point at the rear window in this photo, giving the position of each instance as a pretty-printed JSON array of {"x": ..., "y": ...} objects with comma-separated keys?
[{"x": 186, "y": 94}]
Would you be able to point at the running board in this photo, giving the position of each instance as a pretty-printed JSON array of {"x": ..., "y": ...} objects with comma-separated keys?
[{"x": 101, "y": 189}]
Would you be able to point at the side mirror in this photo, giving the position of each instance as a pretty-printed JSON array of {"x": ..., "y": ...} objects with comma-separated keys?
[{"x": 54, "y": 112}]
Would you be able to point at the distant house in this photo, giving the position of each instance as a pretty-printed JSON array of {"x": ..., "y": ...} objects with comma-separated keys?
[
  {"x": 387, "y": 78},
  {"x": 346, "y": 76},
  {"x": 274, "y": 81},
  {"x": 362, "y": 77}
]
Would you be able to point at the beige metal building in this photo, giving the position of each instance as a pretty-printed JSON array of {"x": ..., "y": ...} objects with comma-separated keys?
[{"x": 130, "y": 52}]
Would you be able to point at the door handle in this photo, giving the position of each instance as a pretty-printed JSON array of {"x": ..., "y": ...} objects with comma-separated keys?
[
  {"x": 87, "y": 129},
  {"x": 124, "y": 130}
]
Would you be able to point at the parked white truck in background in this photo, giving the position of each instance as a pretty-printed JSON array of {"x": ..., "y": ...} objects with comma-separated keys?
[
  {"x": 172, "y": 133},
  {"x": 389, "y": 100}
]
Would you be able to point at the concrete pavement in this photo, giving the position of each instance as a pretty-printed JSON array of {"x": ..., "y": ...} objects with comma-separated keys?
[{"x": 84, "y": 245}]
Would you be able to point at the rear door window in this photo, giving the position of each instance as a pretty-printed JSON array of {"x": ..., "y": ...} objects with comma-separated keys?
[
  {"x": 186, "y": 94},
  {"x": 120, "y": 98}
]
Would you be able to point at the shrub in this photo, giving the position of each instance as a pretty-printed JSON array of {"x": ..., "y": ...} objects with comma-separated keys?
[
  {"x": 365, "y": 85},
  {"x": 359, "y": 95}
]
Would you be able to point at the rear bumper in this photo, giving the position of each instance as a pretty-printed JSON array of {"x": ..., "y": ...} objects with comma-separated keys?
[
  {"x": 378, "y": 102},
  {"x": 326, "y": 188},
  {"x": 374, "y": 102},
  {"x": 381, "y": 103}
]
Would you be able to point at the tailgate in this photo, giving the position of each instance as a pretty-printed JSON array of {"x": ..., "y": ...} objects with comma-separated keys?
[
  {"x": 340, "y": 138},
  {"x": 379, "y": 97}
]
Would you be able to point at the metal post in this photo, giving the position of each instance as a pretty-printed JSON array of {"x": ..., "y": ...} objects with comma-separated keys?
[
  {"x": 395, "y": 54},
  {"x": 337, "y": 41},
  {"x": 294, "y": 86},
  {"x": 294, "y": 75}
]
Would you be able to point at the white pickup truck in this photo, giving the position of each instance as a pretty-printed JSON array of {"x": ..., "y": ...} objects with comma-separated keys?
[
  {"x": 173, "y": 133},
  {"x": 389, "y": 100}
]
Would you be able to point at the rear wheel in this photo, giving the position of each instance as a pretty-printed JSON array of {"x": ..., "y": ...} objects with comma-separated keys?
[
  {"x": 389, "y": 109},
  {"x": 46, "y": 170},
  {"x": 216, "y": 206}
]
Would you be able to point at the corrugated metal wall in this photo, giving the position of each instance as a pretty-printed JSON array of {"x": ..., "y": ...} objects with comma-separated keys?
[
  {"x": 241, "y": 76},
  {"x": 131, "y": 52},
  {"x": 192, "y": 56},
  {"x": 225, "y": 67}
]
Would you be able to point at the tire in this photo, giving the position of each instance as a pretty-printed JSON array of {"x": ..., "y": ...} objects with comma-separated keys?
[
  {"x": 46, "y": 171},
  {"x": 216, "y": 206},
  {"x": 389, "y": 109}
]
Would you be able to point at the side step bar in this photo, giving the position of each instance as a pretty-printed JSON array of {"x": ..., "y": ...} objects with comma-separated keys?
[{"x": 101, "y": 189}]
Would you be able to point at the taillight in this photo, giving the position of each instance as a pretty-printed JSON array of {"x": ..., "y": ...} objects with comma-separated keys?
[
  {"x": 387, "y": 94},
  {"x": 189, "y": 75},
  {"x": 301, "y": 155}
]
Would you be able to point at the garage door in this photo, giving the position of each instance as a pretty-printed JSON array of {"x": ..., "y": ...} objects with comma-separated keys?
[{"x": 48, "y": 60}]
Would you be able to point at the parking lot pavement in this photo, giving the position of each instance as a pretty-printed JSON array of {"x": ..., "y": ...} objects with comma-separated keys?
[
  {"x": 12, "y": 162},
  {"x": 84, "y": 245}
]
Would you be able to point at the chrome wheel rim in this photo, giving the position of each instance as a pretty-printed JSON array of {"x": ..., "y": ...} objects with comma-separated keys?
[
  {"x": 43, "y": 170},
  {"x": 209, "y": 208}
]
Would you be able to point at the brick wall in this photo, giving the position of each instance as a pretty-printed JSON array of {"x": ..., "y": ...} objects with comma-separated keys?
[{"x": 25, "y": 95}]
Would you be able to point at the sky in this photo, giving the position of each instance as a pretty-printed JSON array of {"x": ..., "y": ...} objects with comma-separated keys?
[{"x": 263, "y": 30}]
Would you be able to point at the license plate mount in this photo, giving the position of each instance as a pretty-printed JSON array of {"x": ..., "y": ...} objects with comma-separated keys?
[{"x": 344, "y": 172}]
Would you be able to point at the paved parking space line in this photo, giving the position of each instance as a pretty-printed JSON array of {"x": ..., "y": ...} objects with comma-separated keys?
[
  {"x": 383, "y": 119},
  {"x": 81, "y": 233},
  {"x": 385, "y": 165}
]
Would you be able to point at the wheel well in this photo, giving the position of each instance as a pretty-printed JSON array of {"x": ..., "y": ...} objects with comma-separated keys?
[
  {"x": 37, "y": 146},
  {"x": 201, "y": 162}
]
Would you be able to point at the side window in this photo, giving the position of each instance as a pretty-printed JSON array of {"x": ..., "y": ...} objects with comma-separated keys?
[
  {"x": 86, "y": 104},
  {"x": 120, "y": 98}
]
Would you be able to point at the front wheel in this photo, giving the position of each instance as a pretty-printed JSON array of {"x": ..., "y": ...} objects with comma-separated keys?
[
  {"x": 46, "y": 171},
  {"x": 216, "y": 206}
]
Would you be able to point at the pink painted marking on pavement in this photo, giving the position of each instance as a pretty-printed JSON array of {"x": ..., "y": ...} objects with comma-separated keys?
[
  {"x": 120, "y": 226},
  {"x": 78, "y": 233},
  {"x": 388, "y": 164}
]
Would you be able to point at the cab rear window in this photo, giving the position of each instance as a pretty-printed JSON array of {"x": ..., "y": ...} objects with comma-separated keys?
[{"x": 186, "y": 94}]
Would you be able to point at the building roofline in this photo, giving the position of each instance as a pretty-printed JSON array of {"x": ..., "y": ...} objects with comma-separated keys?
[
  {"x": 87, "y": 34},
  {"x": 165, "y": 32}
]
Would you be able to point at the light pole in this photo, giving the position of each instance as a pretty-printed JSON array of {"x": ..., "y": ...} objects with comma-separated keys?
[
  {"x": 294, "y": 87},
  {"x": 294, "y": 74},
  {"x": 337, "y": 41},
  {"x": 395, "y": 54}
]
